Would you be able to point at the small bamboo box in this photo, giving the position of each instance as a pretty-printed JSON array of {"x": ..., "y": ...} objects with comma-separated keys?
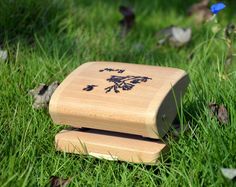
[{"x": 118, "y": 111}]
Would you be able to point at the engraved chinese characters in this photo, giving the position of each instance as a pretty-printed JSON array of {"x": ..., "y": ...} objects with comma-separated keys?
[{"x": 120, "y": 82}]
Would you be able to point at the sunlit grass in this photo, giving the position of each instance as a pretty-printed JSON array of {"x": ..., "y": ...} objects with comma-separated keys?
[{"x": 69, "y": 33}]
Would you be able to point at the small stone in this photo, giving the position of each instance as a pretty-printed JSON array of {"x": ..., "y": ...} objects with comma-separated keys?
[
  {"x": 229, "y": 173},
  {"x": 176, "y": 36},
  {"x": 3, "y": 55}
]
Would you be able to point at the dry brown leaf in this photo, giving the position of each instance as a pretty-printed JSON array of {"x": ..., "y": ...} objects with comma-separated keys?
[
  {"x": 229, "y": 30},
  {"x": 3, "y": 55},
  {"x": 59, "y": 182},
  {"x": 42, "y": 94},
  {"x": 128, "y": 21},
  {"x": 200, "y": 11},
  {"x": 213, "y": 108},
  {"x": 219, "y": 111},
  {"x": 222, "y": 115}
]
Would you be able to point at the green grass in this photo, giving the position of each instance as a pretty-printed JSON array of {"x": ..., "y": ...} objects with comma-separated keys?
[{"x": 46, "y": 40}]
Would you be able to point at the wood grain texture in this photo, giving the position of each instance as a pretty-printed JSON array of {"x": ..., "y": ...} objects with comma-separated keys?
[
  {"x": 142, "y": 106},
  {"x": 110, "y": 145}
]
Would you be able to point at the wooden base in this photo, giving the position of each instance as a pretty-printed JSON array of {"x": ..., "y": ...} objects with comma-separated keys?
[{"x": 110, "y": 145}]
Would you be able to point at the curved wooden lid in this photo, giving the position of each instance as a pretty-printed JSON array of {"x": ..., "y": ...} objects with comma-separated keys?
[{"x": 121, "y": 97}]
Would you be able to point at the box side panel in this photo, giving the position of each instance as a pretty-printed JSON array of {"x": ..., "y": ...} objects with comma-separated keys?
[
  {"x": 171, "y": 103},
  {"x": 163, "y": 107}
]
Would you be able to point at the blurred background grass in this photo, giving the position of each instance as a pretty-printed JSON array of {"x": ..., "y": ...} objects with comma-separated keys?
[{"x": 46, "y": 40}]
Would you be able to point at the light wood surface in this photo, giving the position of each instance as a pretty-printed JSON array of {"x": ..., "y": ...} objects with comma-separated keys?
[
  {"x": 144, "y": 103},
  {"x": 110, "y": 145}
]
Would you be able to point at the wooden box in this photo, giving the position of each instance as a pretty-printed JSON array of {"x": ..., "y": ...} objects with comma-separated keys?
[{"x": 117, "y": 97}]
